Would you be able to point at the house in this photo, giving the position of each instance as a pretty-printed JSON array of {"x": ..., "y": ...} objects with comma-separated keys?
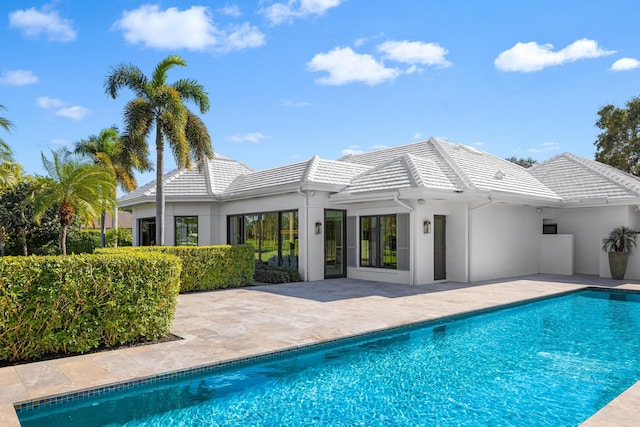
[{"x": 413, "y": 214}]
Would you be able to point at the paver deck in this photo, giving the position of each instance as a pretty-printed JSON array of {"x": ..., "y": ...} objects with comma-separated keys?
[{"x": 236, "y": 323}]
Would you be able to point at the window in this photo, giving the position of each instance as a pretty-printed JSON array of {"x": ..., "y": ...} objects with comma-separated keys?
[
  {"x": 549, "y": 228},
  {"x": 274, "y": 235},
  {"x": 186, "y": 230},
  {"x": 147, "y": 232},
  {"x": 378, "y": 246}
]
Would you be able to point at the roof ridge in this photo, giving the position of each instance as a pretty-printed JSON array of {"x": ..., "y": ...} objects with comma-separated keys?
[
  {"x": 310, "y": 170},
  {"x": 410, "y": 159},
  {"x": 207, "y": 176},
  {"x": 460, "y": 174},
  {"x": 603, "y": 169}
]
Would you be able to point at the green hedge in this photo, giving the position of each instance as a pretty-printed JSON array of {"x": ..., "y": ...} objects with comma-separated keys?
[
  {"x": 206, "y": 267},
  {"x": 77, "y": 303},
  {"x": 275, "y": 274}
]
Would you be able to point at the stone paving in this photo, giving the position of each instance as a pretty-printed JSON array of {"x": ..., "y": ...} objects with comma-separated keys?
[{"x": 236, "y": 323}]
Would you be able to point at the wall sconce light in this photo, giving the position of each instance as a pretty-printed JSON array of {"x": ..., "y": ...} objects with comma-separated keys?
[
  {"x": 318, "y": 227},
  {"x": 426, "y": 226}
]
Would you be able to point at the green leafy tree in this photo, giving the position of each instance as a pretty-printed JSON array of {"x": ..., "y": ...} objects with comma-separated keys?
[
  {"x": 619, "y": 143},
  {"x": 109, "y": 150},
  {"x": 161, "y": 106},
  {"x": 7, "y": 177},
  {"x": 78, "y": 189},
  {"x": 525, "y": 163}
]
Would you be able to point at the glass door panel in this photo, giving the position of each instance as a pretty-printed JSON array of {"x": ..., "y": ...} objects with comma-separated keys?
[{"x": 334, "y": 243}]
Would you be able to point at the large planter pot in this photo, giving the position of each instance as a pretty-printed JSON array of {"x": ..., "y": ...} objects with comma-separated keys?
[{"x": 618, "y": 264}]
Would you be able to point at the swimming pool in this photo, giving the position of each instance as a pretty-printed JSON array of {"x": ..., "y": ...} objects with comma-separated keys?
[{"x": 550, "y": 362}]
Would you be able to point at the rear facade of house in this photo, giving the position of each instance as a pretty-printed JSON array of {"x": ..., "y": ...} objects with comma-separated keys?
[{"x": 413, "y": 214}]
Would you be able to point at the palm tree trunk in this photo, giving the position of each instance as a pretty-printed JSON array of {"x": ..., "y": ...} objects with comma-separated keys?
[
  {"x": 2, "y": 239},
  {"x": 25, "y": 249},
  {"x": 159, "y": 187},
  {"x": 114, "y": 226},
  {"x": 63, "y": 239},
  {"x": 103, "y": 233}
]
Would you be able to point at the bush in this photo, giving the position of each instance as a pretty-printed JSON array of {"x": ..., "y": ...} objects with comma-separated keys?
[
  {"x": 205, "y": 267},
  {"x": 83, "y": 241},
  {"x": 124, "y": 237},
  {"x": 266, "y": 273},
  {"x": 77, "y": 303}
]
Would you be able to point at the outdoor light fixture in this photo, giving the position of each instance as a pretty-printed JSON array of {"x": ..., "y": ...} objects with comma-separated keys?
[
  {"x": 426, "y": 226},
  {"x": 318, "y": 227}
]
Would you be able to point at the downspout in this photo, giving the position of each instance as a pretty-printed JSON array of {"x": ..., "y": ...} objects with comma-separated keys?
[
  {"x": 412, "y": 248},
  {"x": 468, "y": 248},
  {"x": 306, "y": 236}
]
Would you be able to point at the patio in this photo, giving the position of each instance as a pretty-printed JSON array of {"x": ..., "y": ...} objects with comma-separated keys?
[{"x": 237, "y": 323}]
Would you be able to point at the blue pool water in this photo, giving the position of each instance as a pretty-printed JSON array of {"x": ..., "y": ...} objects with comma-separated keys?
[{"x": 552, "y": 362}]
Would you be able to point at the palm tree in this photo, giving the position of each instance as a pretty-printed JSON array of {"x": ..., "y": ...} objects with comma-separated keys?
[
  {"x": 76, "y": 187},
  {"x": 160, "y": 105},
  {"x": 109, "y": 150},
  {"x": 7, "y": 177}
]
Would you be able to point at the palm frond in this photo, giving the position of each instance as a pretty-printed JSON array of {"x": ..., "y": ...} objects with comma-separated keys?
[
  {"x": 198, "y": 136},
  {"x": 191, "y": 90},
  {"x": 159, "y": 76},
  {"x": 125, "y": 75}
]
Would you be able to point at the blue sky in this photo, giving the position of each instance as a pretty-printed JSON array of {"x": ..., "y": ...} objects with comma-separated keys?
[{"x": 291, "y": 79}]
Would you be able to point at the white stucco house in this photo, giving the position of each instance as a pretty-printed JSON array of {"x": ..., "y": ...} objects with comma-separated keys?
[{"x": 412, "y": 214}]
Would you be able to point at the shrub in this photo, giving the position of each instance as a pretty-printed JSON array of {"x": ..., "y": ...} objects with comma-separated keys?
[
  {"x": 78, "y": 303},
  {"x": 124, "y": 236},
  {"x": 206, "y": 267},
  {"x": 266, "y": 273},
  {"x": 83, "y": 241}
]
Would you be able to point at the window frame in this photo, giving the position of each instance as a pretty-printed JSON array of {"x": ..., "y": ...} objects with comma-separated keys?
[
  {"x": 176, "y": 219},
  {"x": 375, "y": 253}
]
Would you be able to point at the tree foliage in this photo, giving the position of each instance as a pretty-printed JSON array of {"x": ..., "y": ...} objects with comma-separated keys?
[
  {"x": 76, "y": 187},
  {"x": 520, "y": 161},
  {"x": 619, "y": 143},
  {"x": 7, "y": 165},
  {"x": 160, "y": 106}
]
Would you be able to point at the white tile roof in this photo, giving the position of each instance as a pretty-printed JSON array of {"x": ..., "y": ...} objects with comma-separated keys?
[
  {"x": 577, "y": 179},
  {"x": 430, "y": 165}
]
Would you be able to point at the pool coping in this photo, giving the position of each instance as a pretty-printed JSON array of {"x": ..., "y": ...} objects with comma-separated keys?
[{"x": 55, "y": 398}]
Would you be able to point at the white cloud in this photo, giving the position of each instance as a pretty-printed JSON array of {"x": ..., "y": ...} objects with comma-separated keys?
[
  {"x": 625, "y": 64},
  {"x": 280, "y": 13},
  {"x": 74, "y": 113},
  {"x": 545, "y": 147},
  {"x": 46, "y": 102},
  {"x": 378, "y": 147},
  {"x": 294, "y": 104},
  {"x": 253, "y": 137},
  {"x": 479, "y": 144},
  {"x": 190, "y": 29},
  {"x": 415, "y": 52},
  {"x": 530, "y": 57},
  {"x": 417, "y": 135},
  {"x": 230, "y": 11},
  {"x": 18, "y": 78},
  {"x": 33, "y": 23},
  {"x": 351, "y": 150},
  {"x": 346, "y": 66}
]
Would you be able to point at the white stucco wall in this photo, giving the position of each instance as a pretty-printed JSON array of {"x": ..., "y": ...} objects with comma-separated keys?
[
  {"x": 588, "y": 226},
  {"x": 503, "y": 241},
  {"x": 556, "y": 254}
]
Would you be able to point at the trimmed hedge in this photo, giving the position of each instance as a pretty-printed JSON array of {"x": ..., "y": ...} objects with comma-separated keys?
[
  {"x": 275, "y": 274},
  {"x": 205, "y": 267},
  {"x": 77, "y": 303}
]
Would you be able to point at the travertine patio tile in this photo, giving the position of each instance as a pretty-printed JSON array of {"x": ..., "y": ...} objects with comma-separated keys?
[{"x": 235, "y": 323}]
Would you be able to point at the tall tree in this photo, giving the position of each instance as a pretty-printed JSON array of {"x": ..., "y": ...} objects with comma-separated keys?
[
  {"x": 7, "y": 176},
  {"x": 77, "y": 187},
  {"x": 619, "y": 143},
  {"x": 160, "y": 105},
  {"x": 109, "y": 150},
  {"x": 520, "y": 161}
]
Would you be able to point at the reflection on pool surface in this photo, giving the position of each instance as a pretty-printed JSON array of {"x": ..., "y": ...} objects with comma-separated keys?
[{"x": 551, "y": 362}]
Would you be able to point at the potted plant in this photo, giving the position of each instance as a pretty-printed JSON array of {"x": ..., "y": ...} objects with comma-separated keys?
[{"x": 618, "y": 245}]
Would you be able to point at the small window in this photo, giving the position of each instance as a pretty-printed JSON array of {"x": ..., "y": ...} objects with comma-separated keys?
[
  {"x": 549, "y": 228},
  {"x": 378, "y": 247},
  {"x": 186, "y": 231}
]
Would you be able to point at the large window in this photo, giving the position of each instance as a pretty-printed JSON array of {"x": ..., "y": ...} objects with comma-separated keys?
[
  {"x": 186, "y": 230},
  {"x": 378, "y": 246},
  {"x": 274, "y": 235}
]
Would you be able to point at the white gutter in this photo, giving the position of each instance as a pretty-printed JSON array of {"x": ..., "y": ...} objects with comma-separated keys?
[
  {"x": 412, "y": 248},
  {"x": 468, "y": 231},
  {"x": 306, "y": 236}
]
